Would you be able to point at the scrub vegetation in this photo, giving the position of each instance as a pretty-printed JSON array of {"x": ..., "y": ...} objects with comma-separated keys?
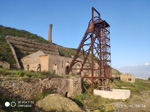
[
  {"x": 25, "y": 75},
  {"x": 140, "y": 91},
  {"x": 136, "y": 88},
  {"x": 5, "y": 51}
]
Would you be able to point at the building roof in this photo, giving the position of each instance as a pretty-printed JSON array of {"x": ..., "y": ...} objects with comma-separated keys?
[
  {"x": 36, "y": 54},
  {"x": 127, "y": 74}
]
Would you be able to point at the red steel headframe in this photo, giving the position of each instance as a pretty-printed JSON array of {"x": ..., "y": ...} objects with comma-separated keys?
[{"x": 93, "y": 54}]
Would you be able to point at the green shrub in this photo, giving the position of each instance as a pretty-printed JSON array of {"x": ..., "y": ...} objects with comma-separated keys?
[
  {"x": 95, "y": 102},
  {"x": 42, "y": 95},
  {"x": 38, "y": 75},
  {"x": 79, "y": 100},
  {"x": 20, "y": 73},
  {"x": 45, "y": 73},
  {"x": 5, "y": 72}
]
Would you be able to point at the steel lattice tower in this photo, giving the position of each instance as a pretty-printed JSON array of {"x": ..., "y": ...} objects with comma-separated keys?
[{"x": 93, "y": 57}]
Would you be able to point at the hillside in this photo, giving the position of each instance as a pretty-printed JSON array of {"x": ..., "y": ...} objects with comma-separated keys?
[
  {"x": 25, "y": 43},
  {"x": 5, "y": 51}
]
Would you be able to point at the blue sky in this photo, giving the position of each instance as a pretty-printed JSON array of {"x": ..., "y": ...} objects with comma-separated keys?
[{"x": 129, "y": 24}]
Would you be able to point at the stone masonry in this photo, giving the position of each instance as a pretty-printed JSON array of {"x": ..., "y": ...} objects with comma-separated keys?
[
  {"x": 22, "y": 43},
  {"x": 4, "y": 64},
  {"x": 19, "y": 89}
]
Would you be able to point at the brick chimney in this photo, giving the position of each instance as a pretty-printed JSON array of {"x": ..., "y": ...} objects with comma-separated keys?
[{"x": 50, "y": 33}]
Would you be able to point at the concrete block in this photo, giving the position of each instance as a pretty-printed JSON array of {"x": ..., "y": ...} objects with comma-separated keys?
[{"x": 118, "y": 94}]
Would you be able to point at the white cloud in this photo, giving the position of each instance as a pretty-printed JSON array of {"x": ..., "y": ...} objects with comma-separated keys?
[{"x": 147, "y": 64}]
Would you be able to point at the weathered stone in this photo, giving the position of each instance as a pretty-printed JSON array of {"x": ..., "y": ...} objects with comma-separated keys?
[
  {"x": 127, "y": 77},
  {"x": 56, "y": 102},
  {"x": 32, "y": 45},
  {"x": 26, "y": 91},
  {"x": 4, "y": 64}
]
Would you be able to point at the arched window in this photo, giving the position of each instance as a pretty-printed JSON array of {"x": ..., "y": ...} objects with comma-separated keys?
[
  {"x": 67, "y": 68},
  {"x": 28, "y": 67},
  {"x": 55, "y": 69},
  {"x": 66, "y": 94},
  {"x": 39, "y": 67}
]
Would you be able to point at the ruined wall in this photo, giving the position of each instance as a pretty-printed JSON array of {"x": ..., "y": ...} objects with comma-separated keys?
[
  {"x": 4, "y": 64},
  {"x": 23, "y": 46},
  {"x": 45, "y": 63},
  {"x": 53, "y": 63},
  {"x": 14, "y": 53},
  {"x": 18, "y": 89},
  {"x": 32, "y": 63},
  {"x": 29, "y": 43},
  {"x": 127, "y": 77},
  {"x": 60, "y": 63}
]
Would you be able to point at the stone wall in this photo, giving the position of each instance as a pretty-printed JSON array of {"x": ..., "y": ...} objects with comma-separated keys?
[
  {"x": 31, "y": 43},
  {"x": 14, "y": 54},
  {"x": 4, "y": 64},
  {"x": 60, "y": 62},
  {"x": 18, "y": 89},
  {"x": 23, "y": 46},
  {"x": 53, "y": 63},
  {"x": 31, "y": 63},
  {"x": 127, "y": 77}
]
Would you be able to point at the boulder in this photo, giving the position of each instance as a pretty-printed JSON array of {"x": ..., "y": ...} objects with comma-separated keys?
[{"x": 58, "y": 103}]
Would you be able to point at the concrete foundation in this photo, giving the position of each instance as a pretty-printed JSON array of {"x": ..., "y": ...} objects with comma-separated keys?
[{"x": 118, "y": 94}]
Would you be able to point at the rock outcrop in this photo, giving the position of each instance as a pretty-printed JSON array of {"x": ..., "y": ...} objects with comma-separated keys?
[{"x": 58, "y": 103}]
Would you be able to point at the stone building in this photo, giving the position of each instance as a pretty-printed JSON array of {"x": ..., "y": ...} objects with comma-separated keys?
[
  {"x": 39, "y": 61},
  {"x": 127, "y": 77},
  {"x": 45, "y": 61}
]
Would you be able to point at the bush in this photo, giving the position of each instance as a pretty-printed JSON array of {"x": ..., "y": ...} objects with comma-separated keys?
[
  {"x": 42, "y": 95},
  {"x": 136, "y": 88},
  {"x": 93, "y": 102},
  {"x": 5, "y": 71},
  {"x": 78, "y": 100},
  {"x": 20, "y": 73}
]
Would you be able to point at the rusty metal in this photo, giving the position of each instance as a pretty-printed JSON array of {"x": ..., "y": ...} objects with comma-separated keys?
[{"x": 93, "y": 54}]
